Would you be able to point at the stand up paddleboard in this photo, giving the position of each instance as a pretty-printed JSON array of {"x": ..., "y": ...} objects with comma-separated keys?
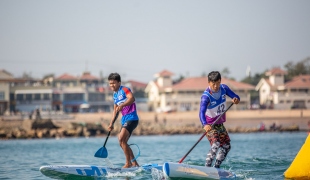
[
  {"x": 185, "y": 171},
  {"x": 76, "y": 171}
]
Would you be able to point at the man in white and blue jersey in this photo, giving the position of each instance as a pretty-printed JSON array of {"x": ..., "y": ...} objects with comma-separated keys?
[
  {"x": 124, "y": 102},
  {"x": 212, "y": 105}
]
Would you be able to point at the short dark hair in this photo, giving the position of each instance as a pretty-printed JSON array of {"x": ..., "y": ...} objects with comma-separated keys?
[
  {"x": 114, "y": 76},
  {"x": 214, "y": 76}
]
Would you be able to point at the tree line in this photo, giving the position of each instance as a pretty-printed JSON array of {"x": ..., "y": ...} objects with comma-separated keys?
[{"x": 293, "y": 69}]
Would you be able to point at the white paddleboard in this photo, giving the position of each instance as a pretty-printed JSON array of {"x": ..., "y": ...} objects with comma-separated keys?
[
  {"x": 65, "y": 171},
  {"x": 179, "y": 170}
]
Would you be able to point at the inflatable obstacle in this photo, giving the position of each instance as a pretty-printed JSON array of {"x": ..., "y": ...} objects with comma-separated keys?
[{"x": 300, "y": 167}]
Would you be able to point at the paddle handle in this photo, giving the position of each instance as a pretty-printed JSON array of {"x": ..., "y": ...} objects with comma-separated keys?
[
  {"x": 192, "y": 147},
  {"x": 221, "y": 115},
  {"x": 116, "y": 116},
  {"x": 105, "y": 142},
  {"x": 204, "y": 134}
]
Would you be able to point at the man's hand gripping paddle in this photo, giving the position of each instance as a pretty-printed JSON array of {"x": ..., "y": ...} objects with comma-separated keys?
[
  {"x": 204, "y": 134},
  {"x": 102, "y": 152}
]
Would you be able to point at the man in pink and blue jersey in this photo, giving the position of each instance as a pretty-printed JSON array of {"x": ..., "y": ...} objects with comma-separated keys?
[
  {"x": 212, "y": 105},
  {"x": 124, "y": 102}
]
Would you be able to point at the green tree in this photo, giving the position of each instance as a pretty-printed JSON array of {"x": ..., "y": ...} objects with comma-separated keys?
[
  {"x": 299, "y": 68},
  {"x": 179, "y": 79},
  {"x": 255, "y": 79},
  {"x": 48, "y": 75},
  {"x": 225, "y": 72},
  {"x": 27, "y": 75}
]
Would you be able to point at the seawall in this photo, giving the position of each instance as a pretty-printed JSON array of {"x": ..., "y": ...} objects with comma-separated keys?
[{"x": 95, "y": 124}]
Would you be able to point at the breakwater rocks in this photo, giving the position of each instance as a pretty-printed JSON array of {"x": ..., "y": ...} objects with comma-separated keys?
[{"x": 48, "y": 128}]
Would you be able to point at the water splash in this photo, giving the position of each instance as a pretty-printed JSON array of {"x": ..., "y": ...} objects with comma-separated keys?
[
  {"x": 157, "y": 174},
  {"x": 121, "y": 174},
  {"x": 124, "y": 174},
  {"x": 108, "y": 163}
]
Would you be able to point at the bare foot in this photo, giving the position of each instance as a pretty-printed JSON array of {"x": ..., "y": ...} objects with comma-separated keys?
[
  {"x": 127, "y": 165},
  {"x": 135, "y": 164}
]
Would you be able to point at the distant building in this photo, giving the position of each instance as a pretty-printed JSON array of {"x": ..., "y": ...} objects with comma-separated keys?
[
  {"x": 22, "y": 94},
  {"x": 138, "y": 90},
  {"x": 65, "y": 93},
  {"x": 185, "y": 95},
  {"x": 68, "y": 93},
  {"x": 5, "y": 75},
  {"x": 26, "y": 95},
  {"x": 48, "y": 79},
  {"x": 80, "y": 94},
  {"x": 275, "y": 93},
  {"x": 5, "y": 79}
]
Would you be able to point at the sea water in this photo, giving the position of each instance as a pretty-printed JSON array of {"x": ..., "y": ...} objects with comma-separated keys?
[{"x": 253, "y": 156}]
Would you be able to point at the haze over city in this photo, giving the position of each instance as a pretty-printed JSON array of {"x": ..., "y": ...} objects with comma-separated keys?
[{"x": 141, "y": 38}]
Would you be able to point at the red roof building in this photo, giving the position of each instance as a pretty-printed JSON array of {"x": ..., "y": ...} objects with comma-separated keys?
[
  {"x": 88, "y": 77},
  {"x": 66, "y": 76},
  {"x": 277, "y": 94},
  {"x": 185, "y": 95},
  {"x": 137, "y": 85}
]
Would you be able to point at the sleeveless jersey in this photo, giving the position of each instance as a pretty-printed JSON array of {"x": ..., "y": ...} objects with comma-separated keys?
[
  {"x": 211, "y": 108},
  {"x": 129, "y": 112}
]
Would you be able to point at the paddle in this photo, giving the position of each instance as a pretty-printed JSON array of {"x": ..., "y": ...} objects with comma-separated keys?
[
  {"x": 102, "y": 152},
  {"x": 204, "y": 134}
]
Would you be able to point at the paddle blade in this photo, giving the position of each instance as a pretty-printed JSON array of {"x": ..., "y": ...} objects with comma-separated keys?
[{"x": 101, "y": 153}]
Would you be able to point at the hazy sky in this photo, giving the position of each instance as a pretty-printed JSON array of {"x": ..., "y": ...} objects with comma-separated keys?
[{"x": 139, "y": 38}]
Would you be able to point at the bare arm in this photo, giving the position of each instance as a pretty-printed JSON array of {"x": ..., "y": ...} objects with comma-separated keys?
[{"x": 111, "y": 126}]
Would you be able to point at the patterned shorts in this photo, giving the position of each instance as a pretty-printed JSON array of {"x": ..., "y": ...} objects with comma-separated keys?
[{"x": 218, "y": 134}]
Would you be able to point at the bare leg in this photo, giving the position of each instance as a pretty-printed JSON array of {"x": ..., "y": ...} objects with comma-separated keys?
[
  {"x": 134, "y": 163},
  {"x": 123, "y": 139}
]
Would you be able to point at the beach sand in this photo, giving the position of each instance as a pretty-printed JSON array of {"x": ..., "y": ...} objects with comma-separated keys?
[{"x": 244, "y": 119}]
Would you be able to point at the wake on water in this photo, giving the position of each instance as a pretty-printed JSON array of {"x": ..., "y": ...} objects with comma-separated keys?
[
  {"x": 108, "y": 163},
  {"x": 156, "y": 174}
]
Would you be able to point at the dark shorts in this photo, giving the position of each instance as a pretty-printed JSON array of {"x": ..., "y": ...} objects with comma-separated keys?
[{"x": 130, "y": 125}]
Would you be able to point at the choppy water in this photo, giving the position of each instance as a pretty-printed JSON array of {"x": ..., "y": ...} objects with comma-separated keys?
[{"x": 253, "y": 156}]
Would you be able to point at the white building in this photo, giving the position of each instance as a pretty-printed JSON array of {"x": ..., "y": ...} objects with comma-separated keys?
[
  {"x": 277, "y": 94},
  {"x": 185, "y": 95},
  {"x": 5, "y": 78}
]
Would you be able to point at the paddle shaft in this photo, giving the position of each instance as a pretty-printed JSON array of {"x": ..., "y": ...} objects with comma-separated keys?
[
  {"x": 204, "y": 134},
  {"x": 105, "y": 142}
]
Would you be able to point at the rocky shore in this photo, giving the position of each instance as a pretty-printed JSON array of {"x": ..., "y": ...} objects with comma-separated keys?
[{"x": 95, "y": 124}]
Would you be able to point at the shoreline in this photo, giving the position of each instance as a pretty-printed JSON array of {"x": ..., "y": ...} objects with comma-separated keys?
[{"x": 95, "y": 124}]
